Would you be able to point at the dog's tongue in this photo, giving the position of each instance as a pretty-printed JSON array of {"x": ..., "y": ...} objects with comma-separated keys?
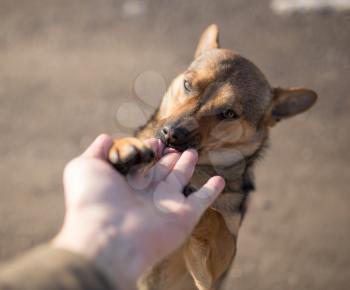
[
  {"x": 168, "y": 150},
  {"x": 160, "y": 149},
  {"x": 163, "y": 150}
]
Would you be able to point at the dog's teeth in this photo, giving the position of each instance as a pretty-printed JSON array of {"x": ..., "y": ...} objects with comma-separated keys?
[{"x": 113, "y": 157}]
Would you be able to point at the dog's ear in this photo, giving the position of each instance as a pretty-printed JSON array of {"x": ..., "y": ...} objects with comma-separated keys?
[
  {"x": 290, "y": 102},
  {"x": 208, "y": 40}
]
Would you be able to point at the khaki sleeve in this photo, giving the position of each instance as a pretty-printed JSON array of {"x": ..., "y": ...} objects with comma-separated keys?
[{"x": 52, "y": 269}]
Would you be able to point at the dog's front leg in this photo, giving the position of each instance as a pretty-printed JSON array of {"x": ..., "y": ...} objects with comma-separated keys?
[
  {"x": 210, "y": 251},
  {"x": 230, "y": 207},
  {"x": 128, "y": 152}
]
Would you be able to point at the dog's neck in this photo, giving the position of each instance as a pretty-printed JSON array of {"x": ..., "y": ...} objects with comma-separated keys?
[
  {"x": 238, "y": 176},
  {"x": 239, "y": 179}
]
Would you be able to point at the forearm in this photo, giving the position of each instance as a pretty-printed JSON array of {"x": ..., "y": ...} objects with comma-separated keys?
[{"x": 52, "y": 269}]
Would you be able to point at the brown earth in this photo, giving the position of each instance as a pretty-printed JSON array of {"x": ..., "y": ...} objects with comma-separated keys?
[{"x": 65, "y": 66}]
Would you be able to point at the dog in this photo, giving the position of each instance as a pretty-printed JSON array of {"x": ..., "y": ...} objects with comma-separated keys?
[{"x": 223, "y": 106}]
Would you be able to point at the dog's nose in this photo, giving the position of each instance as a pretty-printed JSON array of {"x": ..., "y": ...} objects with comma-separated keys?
[{"x": 174, "y": 135}]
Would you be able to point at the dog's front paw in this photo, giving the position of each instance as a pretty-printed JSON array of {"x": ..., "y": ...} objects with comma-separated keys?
[{"x": 128, "y": 152}]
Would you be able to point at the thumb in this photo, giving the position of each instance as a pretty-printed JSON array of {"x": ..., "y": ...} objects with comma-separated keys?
[
  {"x": 99, "y": 148},
  {"x": 201, "y": 199}
]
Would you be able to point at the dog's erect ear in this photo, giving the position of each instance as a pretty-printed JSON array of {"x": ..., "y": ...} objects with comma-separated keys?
[
  {"x": 208, "y": 40},
  {"x": 290, "y": 102}
]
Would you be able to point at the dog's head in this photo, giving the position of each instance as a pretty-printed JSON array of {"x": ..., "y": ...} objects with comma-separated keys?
[{"x": 223, "y": 101}]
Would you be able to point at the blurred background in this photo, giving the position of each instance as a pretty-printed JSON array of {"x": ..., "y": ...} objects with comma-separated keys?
[{"x": 66, "y": 67}]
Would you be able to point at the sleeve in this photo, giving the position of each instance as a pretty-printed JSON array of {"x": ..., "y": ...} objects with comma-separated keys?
[{"x": 52, "y": 269}]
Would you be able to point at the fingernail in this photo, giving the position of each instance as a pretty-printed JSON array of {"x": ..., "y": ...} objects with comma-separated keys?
[{"x": 220, "y": 182}]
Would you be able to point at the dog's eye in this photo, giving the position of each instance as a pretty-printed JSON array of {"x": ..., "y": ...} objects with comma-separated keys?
[
  {"x": 228, "y": 114},
  {"x": 187, "y": 86}
]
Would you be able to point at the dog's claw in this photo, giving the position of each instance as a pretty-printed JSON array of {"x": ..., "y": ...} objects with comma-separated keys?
[{"x": 113, "y": 157}]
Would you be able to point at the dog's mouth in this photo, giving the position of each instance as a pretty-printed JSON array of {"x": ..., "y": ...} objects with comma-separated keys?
[
  {"x": 164, "y": 147},
  {"x": 170, "y": 145}
]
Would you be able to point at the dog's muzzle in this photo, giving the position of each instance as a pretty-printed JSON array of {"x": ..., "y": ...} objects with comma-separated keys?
[{"x": 178, "y": 138}]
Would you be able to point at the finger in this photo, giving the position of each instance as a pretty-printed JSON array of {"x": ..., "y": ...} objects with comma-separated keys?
[
  {"x": 99, "y": 148},
  {"x": 201, "y": 199},
  {"x": 152, "y": 142},
  {"x": 167, "y": 199},
  {"x": 183, "y": 169},
  {"x": 164, "y": 166},
  {"x": 156, "y": 145},
  {"x": 140, "y": 179}
]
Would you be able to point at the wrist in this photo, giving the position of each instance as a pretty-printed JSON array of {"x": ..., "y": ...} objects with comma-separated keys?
[
  {"x": 120, "y": 263},
  {"x": 106, "y": 249}
]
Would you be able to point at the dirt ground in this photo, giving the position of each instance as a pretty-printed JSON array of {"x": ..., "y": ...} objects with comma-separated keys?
[{"x": 65, "y": 66}]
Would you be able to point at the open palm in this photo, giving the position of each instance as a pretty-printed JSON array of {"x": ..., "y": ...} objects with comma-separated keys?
[{"x": 129, "y": 224}]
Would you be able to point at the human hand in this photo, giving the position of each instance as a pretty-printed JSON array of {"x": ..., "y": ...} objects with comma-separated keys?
[{"x": 127, "y": 225}]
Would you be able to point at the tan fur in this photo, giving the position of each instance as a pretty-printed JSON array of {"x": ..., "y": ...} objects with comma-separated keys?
[{"x": 218, "y": 81}]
